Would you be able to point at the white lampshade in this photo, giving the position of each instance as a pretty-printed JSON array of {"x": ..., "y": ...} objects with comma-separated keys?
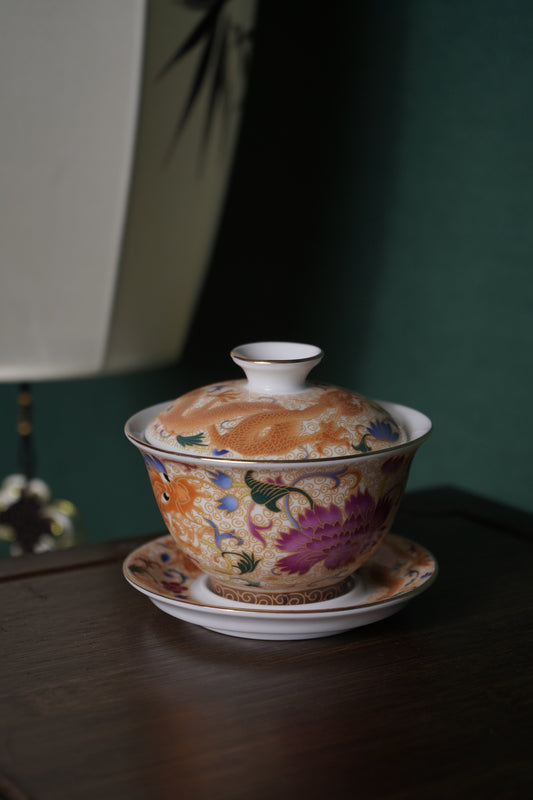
[{"x": 107, "y": 221}]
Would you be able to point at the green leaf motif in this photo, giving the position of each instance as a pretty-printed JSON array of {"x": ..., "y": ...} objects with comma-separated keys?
[
  {"x": 196, "y": 440},
  {"x": 362, "y": 447},
  {"x": 247, "y": 563},
  {"x": 134, "y": 568},
  {"x": 268, "y": 494}
]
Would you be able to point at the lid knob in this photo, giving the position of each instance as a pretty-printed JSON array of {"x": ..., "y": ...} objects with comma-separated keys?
[{"x": 276, "y": 367}]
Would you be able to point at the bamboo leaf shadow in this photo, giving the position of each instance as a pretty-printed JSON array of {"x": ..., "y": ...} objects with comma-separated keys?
[{"x": 211, "y": 35}]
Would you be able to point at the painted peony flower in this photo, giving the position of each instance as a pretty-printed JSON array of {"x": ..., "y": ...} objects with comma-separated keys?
[
  {"x": 392, "y": 465},
  {"x": 174, "y": 586},
  {"x": 333, "y": 536}
]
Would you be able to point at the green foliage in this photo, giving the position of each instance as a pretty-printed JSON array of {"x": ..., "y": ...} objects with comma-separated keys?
[
  {"x": 362, "y": 447},
  {"x": 268, "y": 494},
  {"x": 247, "y": 562},
  {"x": 196, "y": 440}
]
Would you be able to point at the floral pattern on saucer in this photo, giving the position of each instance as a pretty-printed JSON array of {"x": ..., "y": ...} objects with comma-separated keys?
[
  {"x": 398, "y": 569},
  {"x": 162, "y": 568}
]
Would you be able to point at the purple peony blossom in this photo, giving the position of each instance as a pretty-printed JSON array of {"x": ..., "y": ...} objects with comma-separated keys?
[
  {"x": 392, "y": 465},
  {"x": 333, "y": 536},
  {"x": 174, "y": 586}
]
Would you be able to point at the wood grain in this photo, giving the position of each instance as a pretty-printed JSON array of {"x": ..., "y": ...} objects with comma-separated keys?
[{"x": 103, "y": 696}]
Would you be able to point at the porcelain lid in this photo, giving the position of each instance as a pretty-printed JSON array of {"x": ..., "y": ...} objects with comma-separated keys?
[{"x": 275, "y": 414}]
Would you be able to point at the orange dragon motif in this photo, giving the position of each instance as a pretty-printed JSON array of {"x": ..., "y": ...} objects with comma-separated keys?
[
  {"x": 262, "y": 427},
  {"x": 176, "y": 495}
]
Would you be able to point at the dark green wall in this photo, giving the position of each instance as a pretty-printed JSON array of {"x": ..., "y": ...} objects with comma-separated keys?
[{"x": 381, "y": 207}]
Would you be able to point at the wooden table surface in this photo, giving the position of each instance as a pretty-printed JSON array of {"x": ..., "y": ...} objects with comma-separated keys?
[{"x": 104, "y": 696}]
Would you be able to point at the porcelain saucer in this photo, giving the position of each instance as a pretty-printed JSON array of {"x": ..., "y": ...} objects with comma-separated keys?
[{"x": 398, "y": 571}]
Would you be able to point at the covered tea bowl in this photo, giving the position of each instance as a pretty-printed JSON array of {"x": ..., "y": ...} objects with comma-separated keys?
[{"x": 276, "y": 487}]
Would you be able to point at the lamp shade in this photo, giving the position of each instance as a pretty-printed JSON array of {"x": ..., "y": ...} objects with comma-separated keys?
[{"x": 119, "y": 123}]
